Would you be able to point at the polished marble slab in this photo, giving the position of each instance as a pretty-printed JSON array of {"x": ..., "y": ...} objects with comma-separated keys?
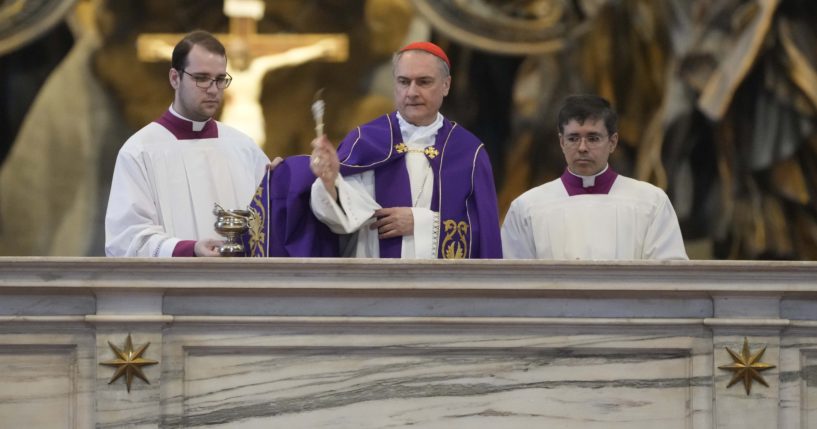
[
  {"x": 45, "y": 378},
  {"x": 429, "y": 385},
  {"x": 383, "y": 344}
]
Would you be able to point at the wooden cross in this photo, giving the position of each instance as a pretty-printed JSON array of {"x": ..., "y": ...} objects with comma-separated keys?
[
  {"x": 244, "y": 16},
  {"x": 251, "y": 55}
]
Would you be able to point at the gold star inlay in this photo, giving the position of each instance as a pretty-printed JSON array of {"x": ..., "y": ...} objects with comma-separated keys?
[
  {"x": 746, "y": 366},
  {"x": 129, "y": 362}
]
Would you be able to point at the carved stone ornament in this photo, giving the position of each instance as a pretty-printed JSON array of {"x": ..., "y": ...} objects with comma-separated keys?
[
  {"x": 746, "y": 366},
  {"x": 22, "y": 21},
  {"x": 129, "y": 362},
  {"x": 518, "y": 27}
]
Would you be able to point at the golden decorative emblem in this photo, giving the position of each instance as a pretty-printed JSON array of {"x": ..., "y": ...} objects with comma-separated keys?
[
  {"x": 129, "y": 362},
  {"x": 455, "y": 243},
  {"x": 256, "y": 223},
  {"x": 746, "y": 366},
  {"x": 430, "y": 151}
]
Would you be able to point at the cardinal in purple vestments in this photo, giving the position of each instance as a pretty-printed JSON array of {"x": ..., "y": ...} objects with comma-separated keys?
[{"x": 409, "y": 184}]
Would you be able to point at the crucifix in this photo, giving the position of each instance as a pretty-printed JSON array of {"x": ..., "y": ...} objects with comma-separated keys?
[{"x": 251, "y": 55}]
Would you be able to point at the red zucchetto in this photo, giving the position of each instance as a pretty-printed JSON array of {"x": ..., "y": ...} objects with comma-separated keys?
[{"x": 430, "y": 48}]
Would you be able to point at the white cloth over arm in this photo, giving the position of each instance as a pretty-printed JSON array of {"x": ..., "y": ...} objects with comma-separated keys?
[
  {"x": 634, "y": 221},
  {"x": 355, "y": 214},
  {"x": 357, "y": 203}
]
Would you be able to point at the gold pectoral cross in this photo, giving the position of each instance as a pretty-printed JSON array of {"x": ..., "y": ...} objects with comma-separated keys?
[{"x": 429, "y": 151}]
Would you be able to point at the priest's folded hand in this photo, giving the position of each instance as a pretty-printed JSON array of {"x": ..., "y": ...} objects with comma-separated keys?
[{"x": 393, "y": 222}]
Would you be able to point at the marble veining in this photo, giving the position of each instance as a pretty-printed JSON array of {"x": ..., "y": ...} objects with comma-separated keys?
[
  {"x": 396, "y": 344},
  {"x": 514, "y": 388}
]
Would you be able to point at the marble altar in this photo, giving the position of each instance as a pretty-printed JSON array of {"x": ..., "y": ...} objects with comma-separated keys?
[{"x": 332, "y": 343}]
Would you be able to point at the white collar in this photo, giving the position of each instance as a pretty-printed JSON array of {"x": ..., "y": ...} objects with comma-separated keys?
[
  {"x": 588, "y": 181},
  {"x": 197, "y": 125},
  {"x": 419, "y": 135}
]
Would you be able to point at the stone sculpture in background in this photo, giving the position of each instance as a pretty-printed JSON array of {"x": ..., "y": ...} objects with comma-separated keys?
[
  {"x": 749, "y": 73},
  {"x": 717, "y": 101},
  {"x": 60, "y": 163}
]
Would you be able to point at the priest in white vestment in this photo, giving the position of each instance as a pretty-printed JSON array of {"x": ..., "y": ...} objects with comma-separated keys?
[
  {"x": 591, "y": 212},
  {"x": 170, "y": 174}
]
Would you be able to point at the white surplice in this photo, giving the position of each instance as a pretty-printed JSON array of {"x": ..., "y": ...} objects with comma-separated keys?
[
  {"x": 164, "y": 189},
  {"x": 355, "y": 212},
  {"x": 635, "y": 220}
]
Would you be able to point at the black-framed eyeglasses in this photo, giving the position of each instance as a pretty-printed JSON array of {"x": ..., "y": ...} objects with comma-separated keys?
[{"x": 204, "y": 81}]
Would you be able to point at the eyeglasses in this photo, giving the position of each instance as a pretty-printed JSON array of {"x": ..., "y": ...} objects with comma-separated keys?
[
  {"x": 205, "y": 81},
  {"x": 591, "y": 140}
]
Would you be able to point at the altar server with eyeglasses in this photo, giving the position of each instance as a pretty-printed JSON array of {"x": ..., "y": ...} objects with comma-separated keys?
[
  {"x": 170, "y": 174},
  {"x": 591, "y": 212}
]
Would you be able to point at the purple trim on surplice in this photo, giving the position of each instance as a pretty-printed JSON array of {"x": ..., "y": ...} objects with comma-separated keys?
[
  {"x": 182, "y": 129},
  {"x": 574, "y": 184},
  {"x": 185, "y": 248}
]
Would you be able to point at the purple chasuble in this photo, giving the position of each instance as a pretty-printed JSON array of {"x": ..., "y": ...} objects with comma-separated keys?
[
  {"x": 464, "y": 192},
  {"x": 574, "y": 184},
  {"x": 283, "y": 223},
  {"x": 182, "y": 129}
]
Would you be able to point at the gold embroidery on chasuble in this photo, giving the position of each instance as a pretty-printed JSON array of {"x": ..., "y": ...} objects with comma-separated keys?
[
  {"x": 257, "y": 220},
  {"x": 455, "y": 243},
  {"x": 429, "y": 151}
]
